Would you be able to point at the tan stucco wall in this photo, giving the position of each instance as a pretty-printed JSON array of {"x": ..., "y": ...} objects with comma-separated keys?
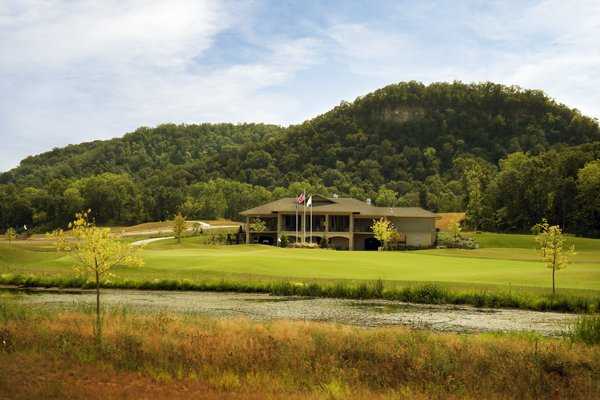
[{"x": 420, "y": 232}]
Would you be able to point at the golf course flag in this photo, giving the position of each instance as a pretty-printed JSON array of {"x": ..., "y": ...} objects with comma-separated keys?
[{"x": 299, "y": 200}]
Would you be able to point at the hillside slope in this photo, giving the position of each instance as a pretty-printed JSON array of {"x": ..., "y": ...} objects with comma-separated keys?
[
  {"x": 138, "y": 153},
  {"x": 392, "y": 126},
  {"x": 405, "y": 144}
]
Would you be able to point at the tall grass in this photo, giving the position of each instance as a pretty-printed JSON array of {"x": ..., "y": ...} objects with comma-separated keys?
[
  {"x": 422, "y": 293},
  {"x": 586, "y": 329},
  {"x": 290, "y": 359}
]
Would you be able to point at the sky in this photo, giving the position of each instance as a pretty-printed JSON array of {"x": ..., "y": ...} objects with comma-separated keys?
[{"x": 74, "y": 71}]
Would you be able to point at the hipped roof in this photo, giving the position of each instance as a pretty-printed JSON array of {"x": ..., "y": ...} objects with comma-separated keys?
[{"x": 338, "y": 205}]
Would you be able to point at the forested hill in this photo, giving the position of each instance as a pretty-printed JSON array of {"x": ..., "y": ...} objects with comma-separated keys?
[
  {"x": 405, "y": 144},
  {"x": 139, "y": 153},
  {"x": 397, "y": 127}
]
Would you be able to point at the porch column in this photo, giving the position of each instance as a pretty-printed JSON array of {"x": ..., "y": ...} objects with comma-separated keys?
[
  {"x": 247, "y": 230},
  {"x": 279, "y": 219},
  {"x": 351, "y": 239},
  {"x": 325, "y": 235}
]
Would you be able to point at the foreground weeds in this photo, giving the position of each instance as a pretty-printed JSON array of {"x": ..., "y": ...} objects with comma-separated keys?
[
  {"x": 424, "y": 293},
  {"x": 53, "y": 354},
  {"x": 586, "y": 329}
]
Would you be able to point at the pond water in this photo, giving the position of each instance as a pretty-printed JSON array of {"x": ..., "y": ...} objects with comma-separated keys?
[{"x": 367, "y": 313}]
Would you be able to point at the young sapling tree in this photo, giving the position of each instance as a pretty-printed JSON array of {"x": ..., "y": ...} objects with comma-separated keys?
[
  {"x": 95, "y": 251},
  {"x": 382, "y": 230},
  {"x": 551, "y": 242},
  {"x": 179, "y": 226},
  {"x": 258, "y": 225},
  {"x": 11, "y": 235}
]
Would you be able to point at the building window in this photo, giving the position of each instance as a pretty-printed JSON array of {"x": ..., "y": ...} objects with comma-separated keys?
[
  {"x": 271, "y": 224},
  {"x": 362, "y": 225},
  {"x": 289, "y": 222},
  {"x": 318, "y": 223},
  {"x": 339, "y": 223}
]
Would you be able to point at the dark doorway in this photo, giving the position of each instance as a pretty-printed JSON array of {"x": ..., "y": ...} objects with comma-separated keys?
[
  {"x": 266, "y": 240},
  {"x": 372, "y": 244}
]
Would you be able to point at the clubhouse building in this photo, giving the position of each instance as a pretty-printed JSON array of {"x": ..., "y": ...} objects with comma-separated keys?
[{"x": 344, "y": 222}]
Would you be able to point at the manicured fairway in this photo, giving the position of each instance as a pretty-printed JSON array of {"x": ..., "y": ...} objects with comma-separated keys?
[{"x": 517, "y": 266}]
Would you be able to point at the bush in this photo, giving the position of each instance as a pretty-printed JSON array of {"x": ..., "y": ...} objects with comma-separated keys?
[
  {"x": 284, "y": 241},
  {"x": 306, "y": 245},
  {"x": 456, "y": 242},
  {"x": 324, "y": 243},
  {"x": 217, "y": 238}
]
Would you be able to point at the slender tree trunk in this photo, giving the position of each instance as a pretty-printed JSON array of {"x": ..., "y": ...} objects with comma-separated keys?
[
  {"x": 98, "y": 322},
  {"x": 554, "y": 271}
]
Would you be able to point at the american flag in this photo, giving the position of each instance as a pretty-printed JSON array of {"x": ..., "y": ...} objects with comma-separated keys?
[{"x": 300, "y": 199}]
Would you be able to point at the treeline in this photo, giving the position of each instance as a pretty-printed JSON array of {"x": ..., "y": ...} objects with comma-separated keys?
[
  {"x": 561, "y": 185},
  {"x": 509, "y": 155}
]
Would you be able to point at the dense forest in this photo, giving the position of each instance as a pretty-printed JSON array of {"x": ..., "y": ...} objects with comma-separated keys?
[{"x": 508, "y": 155}]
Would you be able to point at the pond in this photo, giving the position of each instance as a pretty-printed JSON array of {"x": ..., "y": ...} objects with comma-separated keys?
[{"x": 366, "y": 313}]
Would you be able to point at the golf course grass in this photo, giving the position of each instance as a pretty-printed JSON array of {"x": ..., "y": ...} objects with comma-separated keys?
[{"x": 503, "y": 261}]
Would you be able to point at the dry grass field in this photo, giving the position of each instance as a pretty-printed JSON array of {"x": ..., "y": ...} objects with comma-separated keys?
[
  {"x": 445, "y": 219},
  {"x": 51, "y": 353}
]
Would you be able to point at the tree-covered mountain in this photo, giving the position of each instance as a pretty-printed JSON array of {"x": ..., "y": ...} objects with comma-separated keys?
[
  {"x": 139, "y": 153},
  {"x": 405, "y": 144}
]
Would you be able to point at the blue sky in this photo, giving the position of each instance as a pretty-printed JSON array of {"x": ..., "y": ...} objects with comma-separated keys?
[{"x": 73, "y": 71}]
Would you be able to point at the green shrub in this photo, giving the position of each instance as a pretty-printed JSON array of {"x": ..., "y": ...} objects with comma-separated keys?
[
  {"x": 459, "y": 242},
  {"x": 284, "y": 241}
]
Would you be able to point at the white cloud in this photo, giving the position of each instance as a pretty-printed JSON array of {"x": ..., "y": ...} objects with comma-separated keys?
[
  {"x": 59, "y": 34},
  {"x": 363, "y": 42},
  {"x": 559, "y": 50},
  {"x": 551, "y": 45},
  {"x": 79, "y": 70}
]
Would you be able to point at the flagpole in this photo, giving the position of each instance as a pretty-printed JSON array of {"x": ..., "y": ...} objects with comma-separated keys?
[
  {"x": 296, "y": 222},
  {"x": 311, "y": 219},
  {"x": 304, "y": 219}
]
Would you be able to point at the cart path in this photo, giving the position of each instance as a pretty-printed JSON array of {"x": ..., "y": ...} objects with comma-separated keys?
[
  {"x": 151, "y": 240},
  {"x": 142, "y": 242}
]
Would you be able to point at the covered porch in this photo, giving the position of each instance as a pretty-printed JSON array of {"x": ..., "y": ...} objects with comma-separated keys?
[{"x": 343, "y": 231}]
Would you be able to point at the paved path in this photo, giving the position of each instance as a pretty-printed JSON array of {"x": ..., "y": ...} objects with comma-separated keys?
[
  {"x": 204, "y": 225},
  {"x": 146, "y": 241}
]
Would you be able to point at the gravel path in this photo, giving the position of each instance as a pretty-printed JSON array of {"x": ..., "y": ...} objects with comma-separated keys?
[{"x": 366, "y": 313}]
